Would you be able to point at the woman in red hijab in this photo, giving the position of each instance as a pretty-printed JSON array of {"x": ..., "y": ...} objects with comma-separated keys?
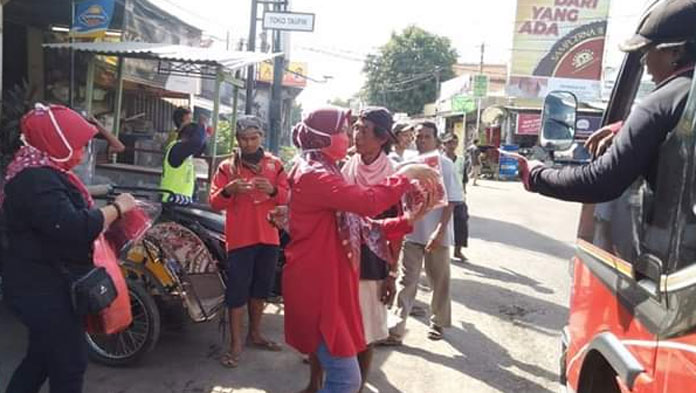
[
  {"x": 52, "y": 224},
  {"x": 320, "y": 280}
]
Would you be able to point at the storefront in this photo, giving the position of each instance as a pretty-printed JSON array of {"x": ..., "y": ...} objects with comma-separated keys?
[{"x": 523, "y": 124}]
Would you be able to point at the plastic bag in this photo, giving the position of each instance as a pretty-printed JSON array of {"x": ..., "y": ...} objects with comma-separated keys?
[
  {"x": 425, "y": 196},
  {"x": 117, "y": 316},
  {"x": 132, "y": 226}
]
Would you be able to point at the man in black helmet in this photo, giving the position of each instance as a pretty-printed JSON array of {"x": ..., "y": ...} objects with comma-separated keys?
[{"x": 666, "y": 43}]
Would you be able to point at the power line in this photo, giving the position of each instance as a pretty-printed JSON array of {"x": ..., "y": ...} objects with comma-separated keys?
[{"x": 199, "y": 16}]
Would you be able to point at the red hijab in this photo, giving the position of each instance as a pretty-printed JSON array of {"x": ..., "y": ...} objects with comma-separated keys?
[
  {"x": 54, "y": 137},
  {"x": 59, "y": 132},
  {"x": 321, "y": 131}
]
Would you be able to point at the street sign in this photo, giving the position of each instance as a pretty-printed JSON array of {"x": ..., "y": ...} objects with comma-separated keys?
[
  {"x": 288, "y": 21},
  {"x": 480, "y": 85},
  {"x": 463, "y": 104}
]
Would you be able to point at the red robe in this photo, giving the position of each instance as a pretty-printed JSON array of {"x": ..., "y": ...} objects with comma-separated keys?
[{"x": 320, "y": 286}]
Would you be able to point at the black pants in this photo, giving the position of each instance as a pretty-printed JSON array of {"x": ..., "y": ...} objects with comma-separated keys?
[
  {"x": 57, "y": 348},
  {"x": 461, "y": 225}
]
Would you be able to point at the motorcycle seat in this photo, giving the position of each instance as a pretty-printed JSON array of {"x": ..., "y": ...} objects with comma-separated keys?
[{"x": 208, "y": 219}]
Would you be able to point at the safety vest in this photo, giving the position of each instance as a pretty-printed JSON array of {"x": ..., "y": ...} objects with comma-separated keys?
[{"x": 180, "y": 180}]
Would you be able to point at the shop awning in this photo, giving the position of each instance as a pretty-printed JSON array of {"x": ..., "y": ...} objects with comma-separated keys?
[{"x": 182, "y": 56}]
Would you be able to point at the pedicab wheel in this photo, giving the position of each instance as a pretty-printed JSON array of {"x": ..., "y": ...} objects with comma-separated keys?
[{"x": 129, "y": 346}]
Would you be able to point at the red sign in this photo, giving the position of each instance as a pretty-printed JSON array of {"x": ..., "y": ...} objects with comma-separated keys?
[{"x": 528, "y": 123}]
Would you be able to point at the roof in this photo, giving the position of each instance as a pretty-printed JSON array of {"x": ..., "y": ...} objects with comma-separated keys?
[{"x": 229, "y": 60}]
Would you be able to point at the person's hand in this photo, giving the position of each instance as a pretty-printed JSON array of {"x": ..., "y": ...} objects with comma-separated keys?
[
  {"x": 91, "y": 119},
  {"x": 264, "y": 185},
  {"x": 125, "y": 202},
  {"x": 238, "y": 186},
  {"x": 600, "y": 141},
  {"x": 388, "y": 290},
  {"x": 435, "y": 239},
  {"x": 420, "y": 172},
  {"x": 525, "y": 169},
  {"x": 279, "y": 217}
]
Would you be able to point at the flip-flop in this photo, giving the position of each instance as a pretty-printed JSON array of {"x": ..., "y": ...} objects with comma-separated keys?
[
  {"x": 266, "y": 345},
  {"x": 390, "y": 341},
  {"x": 229, "y": 360},
  {"x": 435, "y": 333}
]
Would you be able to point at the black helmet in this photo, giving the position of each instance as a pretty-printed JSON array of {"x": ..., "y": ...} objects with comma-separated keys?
[{"x": 671, "y": 23}]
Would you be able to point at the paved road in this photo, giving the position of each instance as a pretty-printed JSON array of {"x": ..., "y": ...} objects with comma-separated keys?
[{"x": 509, "y": 304}]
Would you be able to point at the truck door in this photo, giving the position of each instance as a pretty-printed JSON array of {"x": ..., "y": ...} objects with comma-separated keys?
[{"x": 676, "y": 354}]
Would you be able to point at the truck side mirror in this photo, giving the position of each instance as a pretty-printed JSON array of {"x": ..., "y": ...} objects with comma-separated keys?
[{"x": 558, "y": 121}]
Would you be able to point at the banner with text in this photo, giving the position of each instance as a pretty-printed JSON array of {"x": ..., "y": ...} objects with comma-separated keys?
[{"x": 558, "y": 45}]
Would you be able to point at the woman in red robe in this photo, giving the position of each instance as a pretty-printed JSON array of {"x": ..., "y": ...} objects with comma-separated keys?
[{"x": 320, "y": 280}]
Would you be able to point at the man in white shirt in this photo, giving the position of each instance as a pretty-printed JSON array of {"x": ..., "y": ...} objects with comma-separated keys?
[
  {"x": 430, "y": 242},
  {"x": 402, "y": 146}
]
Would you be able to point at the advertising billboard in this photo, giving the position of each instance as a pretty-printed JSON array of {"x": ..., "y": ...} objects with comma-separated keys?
[
  {"x": 294, "y": 75},
  {"x": 558, "y": 45},
  {"x": 92, "y": 18}
]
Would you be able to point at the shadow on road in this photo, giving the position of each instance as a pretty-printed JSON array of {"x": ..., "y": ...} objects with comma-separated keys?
[
  {"x": 485, "y": 360},
  {"x": 503, "y": 303},
  {"x": 517, "y": 236},
  {"x": 505, "y": 275}
]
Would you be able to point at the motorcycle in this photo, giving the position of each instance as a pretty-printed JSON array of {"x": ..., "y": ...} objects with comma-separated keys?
[{"x": 177, "y": 264}]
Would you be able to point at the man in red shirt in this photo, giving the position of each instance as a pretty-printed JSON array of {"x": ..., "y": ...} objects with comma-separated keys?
[{"x": 248, "y": 186}]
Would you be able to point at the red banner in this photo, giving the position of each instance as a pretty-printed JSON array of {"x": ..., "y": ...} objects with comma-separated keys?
[{"x": 528, "y": 123}]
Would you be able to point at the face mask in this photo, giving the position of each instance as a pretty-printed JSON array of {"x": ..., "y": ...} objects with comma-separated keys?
[
  {"x": 74, "y": 160},
  {"x": 338, "y": 148}
]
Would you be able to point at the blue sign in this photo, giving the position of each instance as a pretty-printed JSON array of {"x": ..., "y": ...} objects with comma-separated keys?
[{"x": 92, "y": 18}]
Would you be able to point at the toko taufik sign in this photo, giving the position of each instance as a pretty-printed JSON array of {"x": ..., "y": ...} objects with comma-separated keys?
[{"x": 289, "y": 21}]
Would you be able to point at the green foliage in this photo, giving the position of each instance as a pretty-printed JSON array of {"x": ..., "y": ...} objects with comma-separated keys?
[
  {"x": 287, "y": 154},
  {"x": 224, "y": 137},
  {"x": 341, "y": 103},
  {"x": 295, "y": 114},
  {"x": 403, "y": 75}
]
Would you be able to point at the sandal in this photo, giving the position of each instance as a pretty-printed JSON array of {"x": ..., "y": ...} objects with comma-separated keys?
[
  {"x": 390, "y": 341},
  {"x": 266, "y": 345},
  {"x": 229, "y": 360},
  {"x": 435, "y": 333}
]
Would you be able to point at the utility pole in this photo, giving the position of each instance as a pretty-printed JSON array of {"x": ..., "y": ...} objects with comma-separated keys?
[
  {"x": 71, "y": 90},
  {"x": 251, "y": 47},
  {"x": 276, "y": 103},
  {"x": 478, "y": 109},
  {"x": 483, "y": 50}
]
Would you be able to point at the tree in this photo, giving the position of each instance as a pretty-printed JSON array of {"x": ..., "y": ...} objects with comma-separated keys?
[
  {"x": 339, "y": 102},
  {"x": 403, "y": 76}
]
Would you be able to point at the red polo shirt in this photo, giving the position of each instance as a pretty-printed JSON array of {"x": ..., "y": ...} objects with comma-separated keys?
[{"x": 246, "y": 221}]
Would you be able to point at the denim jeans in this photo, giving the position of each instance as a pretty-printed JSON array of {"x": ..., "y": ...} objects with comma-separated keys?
[{"x": 342, "y": 374}]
